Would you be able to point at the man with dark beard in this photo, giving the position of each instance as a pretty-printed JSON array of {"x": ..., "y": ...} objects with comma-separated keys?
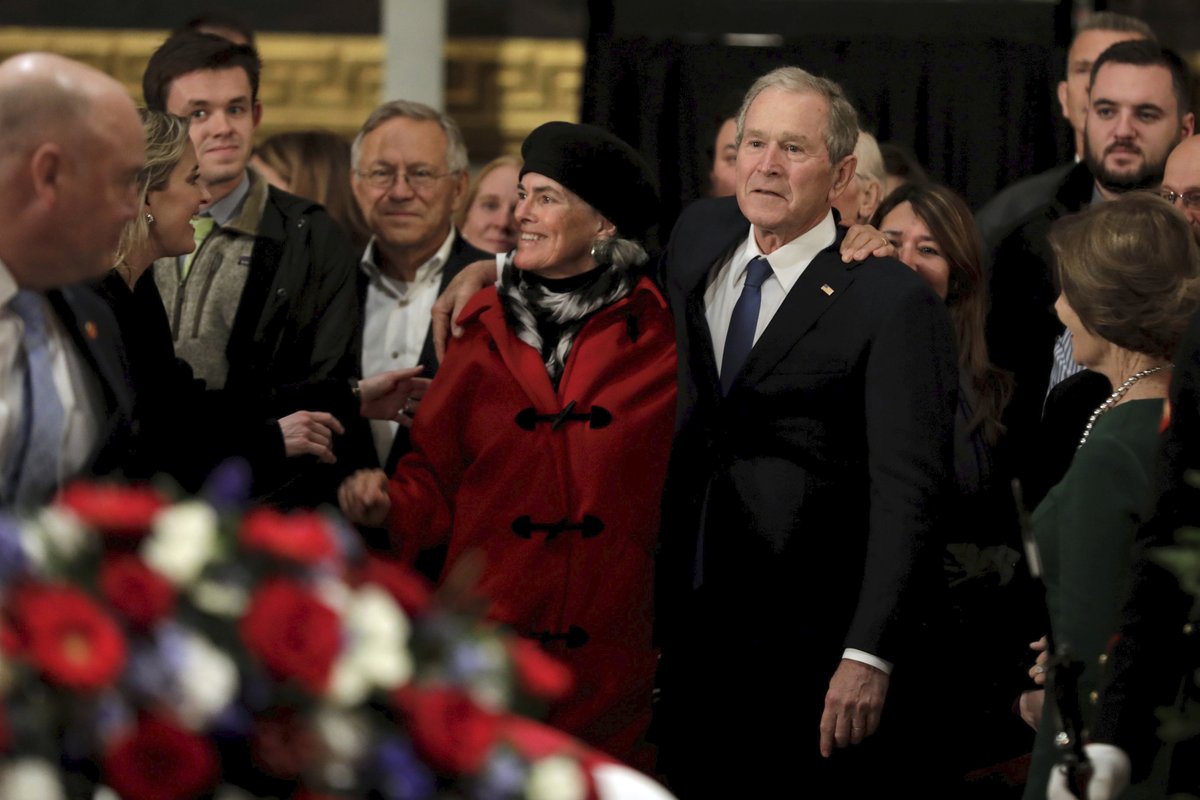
[{"x": 1137, "y": 112}]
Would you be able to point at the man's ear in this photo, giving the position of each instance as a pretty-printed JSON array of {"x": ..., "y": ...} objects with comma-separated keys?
[
  {"x": 256, "y": 114},
  {"x": 869, "y": 199},
  {"x": 46, "y": 171},
  {"x": 843, "y": 173},
  {"x": 1062, "y": 100},
  {"x": 1189, "y": 124},
  {"x": 461, "y": 184}
]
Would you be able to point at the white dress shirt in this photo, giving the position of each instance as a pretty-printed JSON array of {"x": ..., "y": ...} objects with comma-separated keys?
[
  {"x": 73, "y": 379},
  {"x": 787, "y": 265},
  {"x": 396, "y": 321}
]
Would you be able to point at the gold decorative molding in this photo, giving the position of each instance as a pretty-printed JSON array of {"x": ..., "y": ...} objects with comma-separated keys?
[{"x": 497, "y": 89}]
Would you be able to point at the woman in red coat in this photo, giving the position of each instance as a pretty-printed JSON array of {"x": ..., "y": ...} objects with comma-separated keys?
[{"x": 543, "y": 441}]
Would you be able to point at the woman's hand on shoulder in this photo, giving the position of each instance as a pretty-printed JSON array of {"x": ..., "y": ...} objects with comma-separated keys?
[
  {"x": 363, "y": 497},
  {"x": 863, "y": 241},
  {"x": 462, "y": 287}
]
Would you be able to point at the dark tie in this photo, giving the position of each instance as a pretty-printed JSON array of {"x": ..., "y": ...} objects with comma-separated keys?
[
  {"x": 42, "y": 417},
  {"x": 743, "y": 322}
]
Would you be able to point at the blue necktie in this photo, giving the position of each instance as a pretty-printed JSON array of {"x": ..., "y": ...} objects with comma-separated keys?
[
  {"x": 36, "y": 456},
  {"x": 743, "y": 322}
]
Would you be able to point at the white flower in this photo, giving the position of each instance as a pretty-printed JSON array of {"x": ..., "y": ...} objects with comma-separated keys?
[
  {"x": 64, "y": 533},
  {"x": 346, "y": 734},
  {"x": 556, "y": 778},
  {"x": 220, "y": 599},
  {"x": 29, "y": 777},
  {"x": 208, "y": 680},
  {"x": 490, "y": 685},
  {"x": 376, "y": 651},
  {"x": 53, "y": 536},
  {"x": 182, "y": 542}
]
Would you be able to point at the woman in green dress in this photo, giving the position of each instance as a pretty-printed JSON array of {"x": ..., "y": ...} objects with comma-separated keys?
[{"x": 1128, "y": 274}]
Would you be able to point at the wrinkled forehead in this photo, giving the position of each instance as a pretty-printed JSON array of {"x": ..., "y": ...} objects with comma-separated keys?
[{"x": 401, "y": 140}]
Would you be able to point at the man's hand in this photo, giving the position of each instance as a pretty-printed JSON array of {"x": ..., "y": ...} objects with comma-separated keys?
[
  {"x": 1030, "y": 706},
  {"x": 1110, "y": 774},
  {"x": 1038, "y": 670},
  {"x": 392, "y": 395},
  {"x": 363, "y": 497},
  {"x": 310, "y": 433},
  {"x": 853, "y": 705},
  {"x": 862, "y": 241},
  {"x": 462, "y": 287}
]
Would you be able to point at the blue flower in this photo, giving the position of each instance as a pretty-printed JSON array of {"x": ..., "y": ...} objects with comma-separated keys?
[
  {"x": 12, "y": 555},
  {"x": 401, "y": 775}
]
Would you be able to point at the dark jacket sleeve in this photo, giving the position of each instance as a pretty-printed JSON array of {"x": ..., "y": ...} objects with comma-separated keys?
[{"x": 910, "y": 397}]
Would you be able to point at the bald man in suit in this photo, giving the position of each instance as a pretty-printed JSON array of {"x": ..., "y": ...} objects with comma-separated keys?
[{"x": 73, "y": 147}]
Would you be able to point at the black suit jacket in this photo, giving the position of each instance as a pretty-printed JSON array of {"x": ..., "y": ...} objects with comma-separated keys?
[
  {"x": 97, "y": 338},
  {"x": 815, "y": 481},
  {"x": 1021, "y": 324}
]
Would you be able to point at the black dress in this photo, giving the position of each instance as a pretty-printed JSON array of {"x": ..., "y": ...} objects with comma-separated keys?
[{"x": 182, "y": 430}]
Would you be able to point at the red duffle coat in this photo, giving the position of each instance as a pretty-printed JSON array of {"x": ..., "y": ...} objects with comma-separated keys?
[{"x": 559, "y": 490}]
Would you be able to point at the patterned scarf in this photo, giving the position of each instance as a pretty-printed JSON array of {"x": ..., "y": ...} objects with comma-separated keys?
[{"x": 525, "y": 301}]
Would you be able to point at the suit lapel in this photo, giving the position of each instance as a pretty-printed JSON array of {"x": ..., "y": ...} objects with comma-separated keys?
[
  {"x": 703, "y": 354},
  {"x": 461, "y": 254},
  {"x": 94, "y": 332},
  {"x": 819, "y": 287}
]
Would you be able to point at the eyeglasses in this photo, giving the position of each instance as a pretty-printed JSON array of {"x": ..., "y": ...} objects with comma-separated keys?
[
  {"x": 1191, "y": 200},
  {"x": 417, "y": 178}
]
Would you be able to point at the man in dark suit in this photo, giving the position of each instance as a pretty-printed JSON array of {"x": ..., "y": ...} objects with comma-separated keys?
[
  {"x": 409, "y": 177},
  {"x": 73, "y": 146},
  {"x": 1095, "y": 34},
  {"x": 815, "y": 426}
]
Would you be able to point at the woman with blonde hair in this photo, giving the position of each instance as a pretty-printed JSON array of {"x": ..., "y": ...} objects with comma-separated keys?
[
  {"x": 182, "y": 431},
  {"x": 488, "y": 217}
]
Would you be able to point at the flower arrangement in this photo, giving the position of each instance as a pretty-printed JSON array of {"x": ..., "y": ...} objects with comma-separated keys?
[{"x": 165, "y": 649}]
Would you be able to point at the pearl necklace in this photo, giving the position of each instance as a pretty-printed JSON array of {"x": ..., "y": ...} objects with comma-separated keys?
[{"x": 1115, "y": 396}]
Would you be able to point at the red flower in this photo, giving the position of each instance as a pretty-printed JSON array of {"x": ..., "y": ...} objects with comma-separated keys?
[
  {"x": 159, "y": 761},
  {"x": 122, "y": 511},
  {"x": 448, "y": 730},
  {"x": 303, "y": 537},
  {"x": 294, "y": 634},
  {"x": 283, "y": 744},
  {"x": 408, "y": 588},
  {"x": 139, "y": 593},
  {"x": 68, "y": 637},
  {"x": 540, "y": 674}
]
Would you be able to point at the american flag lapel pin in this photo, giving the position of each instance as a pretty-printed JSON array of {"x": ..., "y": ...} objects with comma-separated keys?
[{"x": 90, "y": 330}]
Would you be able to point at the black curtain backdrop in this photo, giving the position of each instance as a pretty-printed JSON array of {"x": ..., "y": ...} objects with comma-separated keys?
[{"x": 977, "y": 110}]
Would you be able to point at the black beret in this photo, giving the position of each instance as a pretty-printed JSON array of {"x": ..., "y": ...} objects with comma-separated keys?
[{"x": 607, "y": 173}]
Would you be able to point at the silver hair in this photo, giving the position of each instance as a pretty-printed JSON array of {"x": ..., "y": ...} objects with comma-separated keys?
[
  {"x": 456, "y": 148},
  {"x": 841, "y": 129},
  {"x": 621, "y": 253},
  {"x": 870, "y": 159}
]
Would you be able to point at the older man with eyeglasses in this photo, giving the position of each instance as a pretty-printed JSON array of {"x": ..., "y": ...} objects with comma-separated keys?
[
  {"x": 409, "y": 176},
  {"x": 1181, "y": 179}
]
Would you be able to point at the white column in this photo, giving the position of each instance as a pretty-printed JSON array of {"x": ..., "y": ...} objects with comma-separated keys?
[{"x": 414, "y": 35}]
